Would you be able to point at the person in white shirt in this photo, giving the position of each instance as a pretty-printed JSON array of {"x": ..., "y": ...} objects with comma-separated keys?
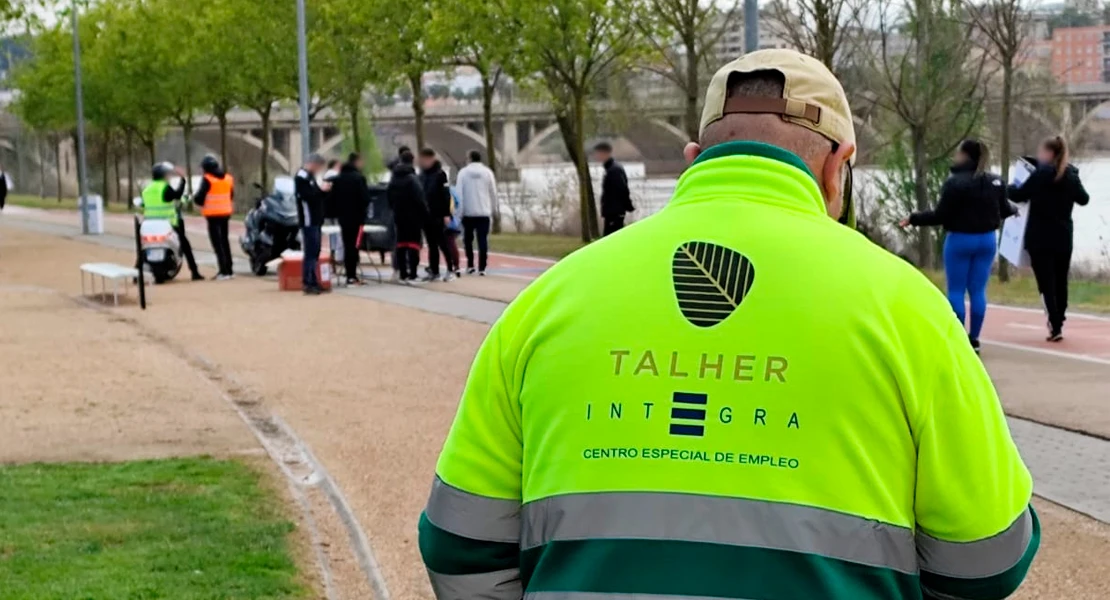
[{"x": 477, "y": 191}]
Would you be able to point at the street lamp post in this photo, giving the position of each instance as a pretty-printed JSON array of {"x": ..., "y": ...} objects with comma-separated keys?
[
  {"x": 82, "y": 166},
  {"x": 751, "y": 25},
  {"x": 302, "y": 72}
]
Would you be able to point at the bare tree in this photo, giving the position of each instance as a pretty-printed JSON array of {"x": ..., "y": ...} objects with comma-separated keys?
[
  {"x": 928, "y": 75},
  {"x": 1005, "y": 29},
  {"x": 684, "y": 35},
  {"x": 820, "y": 28}
]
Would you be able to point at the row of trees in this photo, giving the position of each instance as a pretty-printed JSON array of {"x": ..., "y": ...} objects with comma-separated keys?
[
  {"x": 150, "y": 63},
  {"x": 918, "y": 71}
]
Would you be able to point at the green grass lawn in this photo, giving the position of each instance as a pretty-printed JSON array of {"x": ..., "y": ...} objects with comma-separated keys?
[
  {"x": 184, "y": 529},
  {"x": 534, "y": 244},
  {"x": 66, "y": 203},
  {"x": 1089, "y": 295}
]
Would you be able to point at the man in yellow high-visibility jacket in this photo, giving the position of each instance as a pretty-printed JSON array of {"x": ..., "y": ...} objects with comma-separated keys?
[
  {"x": 160, "y": 201},
  {"x": 788, "y": 411}
]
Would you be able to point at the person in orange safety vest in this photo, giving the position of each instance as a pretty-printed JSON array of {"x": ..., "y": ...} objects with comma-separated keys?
[{"x": 215, "y": 197}]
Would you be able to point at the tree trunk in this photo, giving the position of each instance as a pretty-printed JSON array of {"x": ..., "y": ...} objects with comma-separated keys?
[
  {"x": 921, "y": 194},
  {"x": 573, "y": 126},
  {"x": 58, "y": 165},
  {"x": 222, "y": 118},
  {"x": 187, "y": 135},
  {"x": 149, "y": 143},
  {"x": 130, "y": 141},
  {"x": 491, "y": 145},
  {"x": 356, "y": 135},
  {"x": 417, "y": 86},
  {"x": 1004, "y": 153},
  {"x": 105, "y": 166},
  {"x": 692, "y": 119},
  {"x": 265, "y": 114},
  {"x": 119, "y": 186},
  {"x": 42, "y": 169}
]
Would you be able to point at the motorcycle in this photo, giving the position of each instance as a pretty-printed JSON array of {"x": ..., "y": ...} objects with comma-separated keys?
[
  {"x": 271, "y": 227},
  {"x": 160, "y": 246}
]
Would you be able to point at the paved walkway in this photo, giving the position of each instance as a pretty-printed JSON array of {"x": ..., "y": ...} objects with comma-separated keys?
[{"x": 1069, "y": 468}]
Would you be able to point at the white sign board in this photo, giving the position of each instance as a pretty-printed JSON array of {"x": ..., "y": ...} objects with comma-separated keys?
[
  {"x": 1012, "y": 245},
  {"x": 94, "y": 204}
]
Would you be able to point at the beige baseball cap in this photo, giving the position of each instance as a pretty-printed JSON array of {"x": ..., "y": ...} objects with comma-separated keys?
[{"x": 812, "y": 96}]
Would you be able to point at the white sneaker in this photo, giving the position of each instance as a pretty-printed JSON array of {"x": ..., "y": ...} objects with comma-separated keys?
[
  {"x": 448, "y": 277},
  {"x": 223, "y": 277},
  {"x": 481, "y": 273}
]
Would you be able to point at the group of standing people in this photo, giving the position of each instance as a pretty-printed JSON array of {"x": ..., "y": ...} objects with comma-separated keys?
[
  {"x": 973, "y": 204},
  {"x": 336, "y": 191},
  {"x": 425, "y": 210}
]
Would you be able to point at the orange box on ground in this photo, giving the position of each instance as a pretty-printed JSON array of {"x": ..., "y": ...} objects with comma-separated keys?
[{"x": 290, "y": 278}]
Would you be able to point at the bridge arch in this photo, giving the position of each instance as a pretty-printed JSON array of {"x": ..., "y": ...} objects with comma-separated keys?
[
  {"x": 1086, "y": 120},
  {"x": 451, "y": 142}
]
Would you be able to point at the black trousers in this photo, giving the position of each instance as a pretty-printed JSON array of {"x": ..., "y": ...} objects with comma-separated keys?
[
  {"x": 408, "y": 259},
  {"x": 433, "y": 234},
  {"x": 479, "y": 226},
  {"x": 613, "y": 225},
  {"x": 217, "y": 235},
  {"x": 349, "y": 230},
  {"x": 1050, "y": 267}
]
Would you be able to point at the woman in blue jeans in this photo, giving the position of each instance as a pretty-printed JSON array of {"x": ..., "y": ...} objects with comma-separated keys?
[{"x": 972, "y": 207}]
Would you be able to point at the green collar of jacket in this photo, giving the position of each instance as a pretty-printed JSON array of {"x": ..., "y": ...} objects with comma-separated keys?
[{"x": 750, "y": 171}]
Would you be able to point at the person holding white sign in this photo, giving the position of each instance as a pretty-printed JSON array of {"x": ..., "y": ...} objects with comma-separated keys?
[
  {"x": 971, "y": 209},
  {"x": 1052, "y": 190}
]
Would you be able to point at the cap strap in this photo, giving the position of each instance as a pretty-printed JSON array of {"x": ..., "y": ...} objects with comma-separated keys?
[{"x": 777, "y": 106}]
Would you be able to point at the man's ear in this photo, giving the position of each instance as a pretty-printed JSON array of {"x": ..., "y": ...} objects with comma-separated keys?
[
  {"x": 691, "y": 152},
  {"x": 832, "y": 181}
]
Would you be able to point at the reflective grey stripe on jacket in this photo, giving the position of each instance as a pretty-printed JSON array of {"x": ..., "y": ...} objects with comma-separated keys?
[
  {"x": 500, "y": 585},
  {"x": 473, "y": 516},
  {"x": 719, "y": 520},
  {"x": 980, "y": 558}
]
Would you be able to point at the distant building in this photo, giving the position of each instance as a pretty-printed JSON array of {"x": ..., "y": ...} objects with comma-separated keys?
[{"x": 1081, "y": 54}]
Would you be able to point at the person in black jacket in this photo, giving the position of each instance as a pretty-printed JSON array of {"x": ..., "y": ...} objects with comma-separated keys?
[
  {"x": 616, "y": 199},
  {"x": 1052, "y": 190},
  {"x": 310, "y": 213},
  {"x": 3, "y": 188},
  {"x": 437, "y": 196},
  {"x": 972, "y": 207},
  {"x": 350, "y": 197},
  {"x": 406, "y": 199}
]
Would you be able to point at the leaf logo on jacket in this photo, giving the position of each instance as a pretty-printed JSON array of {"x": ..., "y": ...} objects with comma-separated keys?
[{"x": 710, "y": 281}]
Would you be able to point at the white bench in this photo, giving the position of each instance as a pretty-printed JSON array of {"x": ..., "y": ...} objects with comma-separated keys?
[{"x": 108, "y": 272}]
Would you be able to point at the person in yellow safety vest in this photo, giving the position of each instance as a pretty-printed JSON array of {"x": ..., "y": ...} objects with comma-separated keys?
[
  {"x": 788, "y": 411},
  {"x": 160, "y": 201},
  {"x": 216, "y": 199}
]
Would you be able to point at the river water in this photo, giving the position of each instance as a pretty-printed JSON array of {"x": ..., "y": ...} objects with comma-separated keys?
[{"x": 1092, "y": 222}]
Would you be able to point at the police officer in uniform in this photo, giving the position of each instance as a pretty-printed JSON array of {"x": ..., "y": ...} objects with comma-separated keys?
[
  {"x": 160, "y": 201},
  {"x": 788, "y": 411}
]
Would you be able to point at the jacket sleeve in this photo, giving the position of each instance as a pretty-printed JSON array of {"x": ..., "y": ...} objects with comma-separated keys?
[
  {"x": 1081, "y": 195},
  {"x": 626, "y": 193},
  {"x": 443, "y": 196},
  {"x": 172, "y": 194},
  {"x": 201, "y": 193},
  {"x": 940, "y": 214},
  {"x": 3, "y": 189},
  {"x": 469, "y": 533},
  {"x": 976, "y": 531},
  {"x": 1040, "y": 177}
]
